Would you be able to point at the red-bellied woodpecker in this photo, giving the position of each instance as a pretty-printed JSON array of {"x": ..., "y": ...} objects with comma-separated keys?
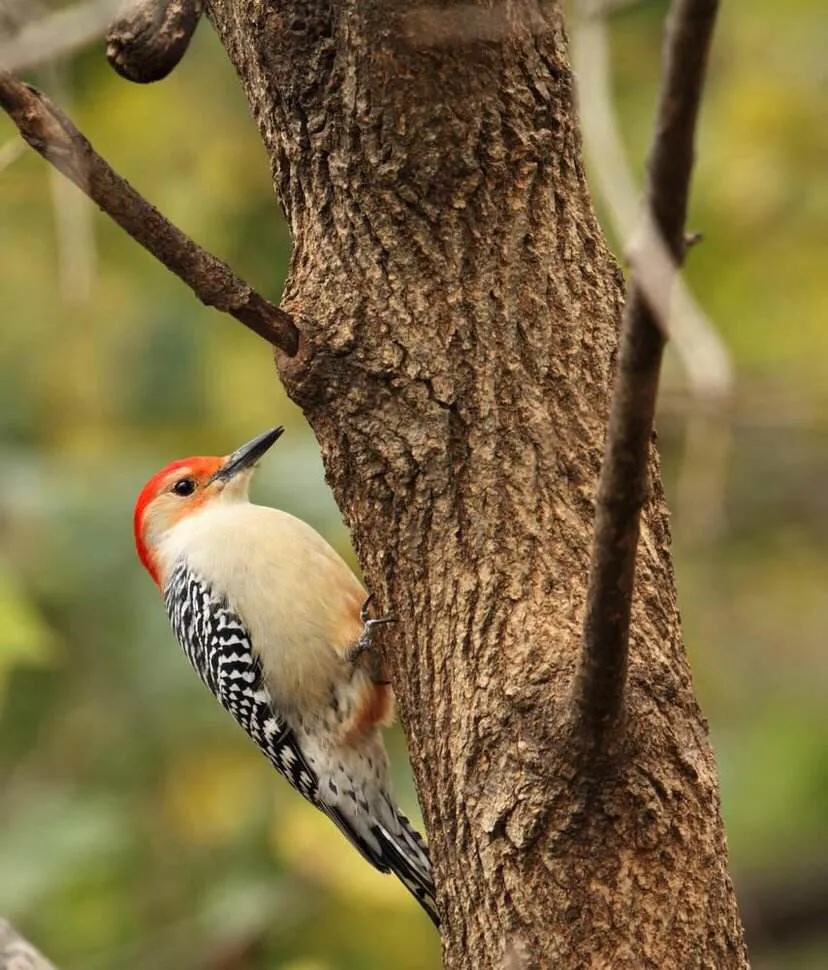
[{"x": 273, "y": 621}]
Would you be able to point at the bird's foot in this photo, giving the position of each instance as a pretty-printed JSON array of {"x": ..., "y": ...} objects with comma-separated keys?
[{"x": 365, "y": 642}]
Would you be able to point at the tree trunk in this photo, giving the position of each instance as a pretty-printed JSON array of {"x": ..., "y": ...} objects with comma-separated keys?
[{"x": 459, "y": 310}]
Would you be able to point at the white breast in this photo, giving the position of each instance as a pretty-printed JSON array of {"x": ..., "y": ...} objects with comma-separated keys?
[{"x": 296, "y": 596}]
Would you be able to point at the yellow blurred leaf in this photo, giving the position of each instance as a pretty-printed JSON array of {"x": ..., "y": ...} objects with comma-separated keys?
[
  {"x": 208, "y": 795},
  {"x": 307, "y": 965},
  {"x": 312, "y": 845}
]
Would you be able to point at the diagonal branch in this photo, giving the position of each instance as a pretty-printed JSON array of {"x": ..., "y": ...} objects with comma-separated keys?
[
  {"x": 47, "y": 129},
  {"x": 17, "y": 954},
  {"x": 701, "y": 351},
  {"x": 622, "y": 488},
  {"x": 28, "y": 41}
]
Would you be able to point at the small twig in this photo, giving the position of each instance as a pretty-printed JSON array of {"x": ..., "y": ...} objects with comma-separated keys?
[
  {"x": 56, "y": 34},
  {"x": 74, "y": 218},
  {"x": 622, "y": 489},
  {"x": 701, "y": 351},
  {"x": 17, "y": 954},
  {"x": 44, "y": 126},
  {"x": 151, "y": 37}
]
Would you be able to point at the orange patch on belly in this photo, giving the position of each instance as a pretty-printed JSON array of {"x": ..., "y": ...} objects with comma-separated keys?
[{"x": 375, "y": 709}]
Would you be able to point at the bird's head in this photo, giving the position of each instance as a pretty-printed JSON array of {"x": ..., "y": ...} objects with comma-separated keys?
[{"x": 188, "y": 486}]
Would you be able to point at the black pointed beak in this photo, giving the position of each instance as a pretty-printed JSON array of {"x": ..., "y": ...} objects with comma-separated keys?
[{"x": 247, "y": 455}]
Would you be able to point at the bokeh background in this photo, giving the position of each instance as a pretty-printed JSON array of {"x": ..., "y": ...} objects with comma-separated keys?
[{"x": 138, "y": 827}]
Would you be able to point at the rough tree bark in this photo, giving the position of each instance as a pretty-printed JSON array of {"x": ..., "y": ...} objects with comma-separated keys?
[{"x": 459, "y": 310}]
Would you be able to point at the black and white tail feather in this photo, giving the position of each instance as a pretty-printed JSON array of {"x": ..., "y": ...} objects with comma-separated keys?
[
  {"x": 403, "y": 854},
  {"x": 217, "y": 645},
  {"x": 407, "y": 857}
]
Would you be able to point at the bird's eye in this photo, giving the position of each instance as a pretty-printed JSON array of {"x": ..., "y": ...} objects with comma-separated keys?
[{"x": 184, "y": 487}]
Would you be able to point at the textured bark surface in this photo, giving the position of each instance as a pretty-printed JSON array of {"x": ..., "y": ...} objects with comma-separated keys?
[{"x": 459, "y": 309}]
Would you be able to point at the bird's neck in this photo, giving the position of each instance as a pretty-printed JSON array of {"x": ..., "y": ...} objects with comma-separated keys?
[{"x": 207, "y": 535}]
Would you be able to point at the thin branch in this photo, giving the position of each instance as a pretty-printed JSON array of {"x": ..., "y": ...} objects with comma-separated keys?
[
  {"x": 17, "y": 954},
  {"x": 56, "y": 35},
  {"x": 622, "y": 488},
  {"x": 701, "y": 351},
  {"x": 74, "y": 230},
  {"x": 151, "y": 37},
  {"x": 44, "y": 126},
  {"x": 75, "y": 240},
  {"x": 74, "y": 219}
]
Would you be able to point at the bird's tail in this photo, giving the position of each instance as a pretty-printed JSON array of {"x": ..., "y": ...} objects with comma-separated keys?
[{"x": 406, "y": 855}]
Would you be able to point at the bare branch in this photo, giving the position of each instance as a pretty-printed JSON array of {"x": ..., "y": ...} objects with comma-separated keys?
[
  {"x": 701, "y": 352},
  {"x": 703, "y": 356},
  {"x": 151, "y": 37},
  {"x": 44, "y": 126},
  {"x": 56, "y": 35},
  {"x": 75, "y": 240},
  {"x": 622, "y": 488},
  {"x": 17, "y": 954},
  {"x": 74, "y": 218}
]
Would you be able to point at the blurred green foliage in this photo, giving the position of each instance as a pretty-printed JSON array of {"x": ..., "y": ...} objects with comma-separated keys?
[{"x": 138, "y": 827}]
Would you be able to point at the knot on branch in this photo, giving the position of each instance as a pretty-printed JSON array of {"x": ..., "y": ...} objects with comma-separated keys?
[{"x": 151, "y": 37}]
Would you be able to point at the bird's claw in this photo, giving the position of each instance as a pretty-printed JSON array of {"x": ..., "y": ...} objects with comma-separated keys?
[{"x": 364, "y": 644}]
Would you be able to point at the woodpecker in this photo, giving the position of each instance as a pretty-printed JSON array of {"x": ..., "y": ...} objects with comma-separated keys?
[{"x": 275, "y": 624}]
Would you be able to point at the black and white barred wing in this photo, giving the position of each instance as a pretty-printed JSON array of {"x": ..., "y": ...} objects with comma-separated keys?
[
  {"x": 217, "y": 645},
  {"x": 219, "y": 648}
]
